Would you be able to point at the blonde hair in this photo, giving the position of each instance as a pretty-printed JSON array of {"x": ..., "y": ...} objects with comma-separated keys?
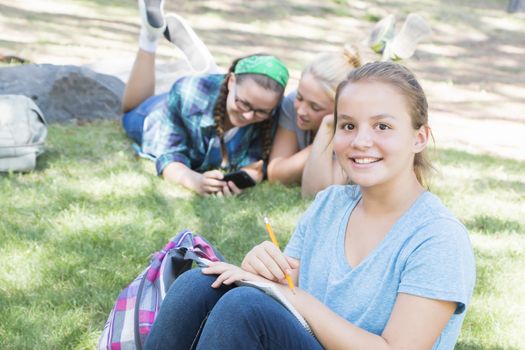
[
  {"x": 405, "y": 81},
  {"x": 330, "y": 68}
]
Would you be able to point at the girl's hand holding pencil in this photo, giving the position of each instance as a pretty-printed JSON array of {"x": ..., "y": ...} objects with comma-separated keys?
[{"x": 267, "y": 260}]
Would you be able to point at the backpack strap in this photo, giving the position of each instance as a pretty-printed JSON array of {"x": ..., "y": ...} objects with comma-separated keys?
[{"x": 136, "y": 323}]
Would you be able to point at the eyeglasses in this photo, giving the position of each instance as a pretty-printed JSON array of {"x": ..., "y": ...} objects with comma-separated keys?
[{"x": 246, "y": 107}]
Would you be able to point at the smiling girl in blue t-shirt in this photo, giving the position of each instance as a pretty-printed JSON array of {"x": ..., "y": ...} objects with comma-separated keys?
[{"x": 381, "y": 264}]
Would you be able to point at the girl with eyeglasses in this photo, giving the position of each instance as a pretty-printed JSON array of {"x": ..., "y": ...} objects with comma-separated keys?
[{"x": 207, "y": 124}]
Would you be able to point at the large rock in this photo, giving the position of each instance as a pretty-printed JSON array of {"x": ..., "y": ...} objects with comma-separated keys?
[{"x": 65, "y": 92}]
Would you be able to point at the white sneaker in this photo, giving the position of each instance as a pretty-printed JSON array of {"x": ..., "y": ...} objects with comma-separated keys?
[
  {"x": 382, "y": 33},
  {"x": 404, "y": 44},
  {"x": 152, "y": 17},
  {"x": 179, "y": 32}
]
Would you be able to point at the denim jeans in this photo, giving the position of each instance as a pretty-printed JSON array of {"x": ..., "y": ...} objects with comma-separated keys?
[
  {"x": 196, "y": 316},
  {"x": 133, "y": 121}
]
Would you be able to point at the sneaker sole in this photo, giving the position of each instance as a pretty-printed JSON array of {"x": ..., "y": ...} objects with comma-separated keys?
[
  {"x": 152, "y": 17},
  {"x": 382, "y": 32},
  {"x": 180, "y": 33},
  {"x": 413, "y": 31}
]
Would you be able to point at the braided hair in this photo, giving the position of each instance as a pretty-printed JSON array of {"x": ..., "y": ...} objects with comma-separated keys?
[{"x": 220, "y": 113}]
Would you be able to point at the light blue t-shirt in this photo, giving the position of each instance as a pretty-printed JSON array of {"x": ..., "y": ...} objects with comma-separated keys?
[{"x": 426, "y": 253}]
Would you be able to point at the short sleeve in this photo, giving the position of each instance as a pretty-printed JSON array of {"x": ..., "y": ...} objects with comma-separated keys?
[
  {"x": 165, "y": 135},
  {"x": 442, "y": 265},
  {"x": 294, "y": 247},
  {"x": 298, "y": 241},
  {"x": 287, "y": 112}
]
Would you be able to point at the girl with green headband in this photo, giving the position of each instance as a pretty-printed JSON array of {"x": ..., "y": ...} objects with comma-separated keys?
[
  {"x": 302, "y": 143},
  {"x": 207, "y": 124}
]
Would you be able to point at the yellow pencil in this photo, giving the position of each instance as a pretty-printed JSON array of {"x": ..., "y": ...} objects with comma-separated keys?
[{"x": 274, "y": 241}]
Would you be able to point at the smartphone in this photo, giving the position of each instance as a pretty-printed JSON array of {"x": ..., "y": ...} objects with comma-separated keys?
[{"x": 240, "y": 178}]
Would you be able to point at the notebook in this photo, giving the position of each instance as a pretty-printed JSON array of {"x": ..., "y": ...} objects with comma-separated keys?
[{"x": 275, "y": 293}]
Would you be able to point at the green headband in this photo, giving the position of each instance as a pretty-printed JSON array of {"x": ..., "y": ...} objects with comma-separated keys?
[{"x": 270, "y": 66}]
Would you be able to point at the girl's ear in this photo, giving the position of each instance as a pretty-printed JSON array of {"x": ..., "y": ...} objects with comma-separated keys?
[
  {"x": 231, "y": 81},
  {"x": 421, "y": 138}
]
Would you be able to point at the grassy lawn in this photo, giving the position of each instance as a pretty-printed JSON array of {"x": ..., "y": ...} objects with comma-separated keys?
[
  {"x": 81, "y": 227},
  {"x": 78, "y": 230}
]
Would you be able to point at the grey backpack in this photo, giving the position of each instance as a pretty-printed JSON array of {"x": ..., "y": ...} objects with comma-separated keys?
[{"x": 23, "y": 130}]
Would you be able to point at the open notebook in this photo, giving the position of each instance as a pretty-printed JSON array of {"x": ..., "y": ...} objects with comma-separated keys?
[{"x": 275, "y": 293}]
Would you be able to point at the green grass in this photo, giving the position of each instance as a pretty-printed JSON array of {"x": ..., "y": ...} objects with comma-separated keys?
[{"x": 81, "y": 227}]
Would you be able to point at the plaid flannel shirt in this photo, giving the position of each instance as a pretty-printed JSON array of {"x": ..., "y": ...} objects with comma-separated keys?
[{"x": 183, "y": 129}]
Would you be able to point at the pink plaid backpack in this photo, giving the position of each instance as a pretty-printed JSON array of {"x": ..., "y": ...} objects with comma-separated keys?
[{"x": 136, "y": 307}]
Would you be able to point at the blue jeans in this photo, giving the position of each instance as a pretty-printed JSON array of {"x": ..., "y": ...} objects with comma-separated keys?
[
  {"x": 133, "y": 121},
  {"x": 196, "y": 316}
]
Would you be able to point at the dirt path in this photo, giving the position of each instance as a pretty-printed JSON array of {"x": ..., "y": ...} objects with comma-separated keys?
[{"x": 473, "y": 67}]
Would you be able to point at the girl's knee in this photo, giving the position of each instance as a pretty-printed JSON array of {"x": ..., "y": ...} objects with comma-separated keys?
[
  {"x": 194, "y": 277},
  {"x": 243, "y": 303},
  {"x": 189, "y": 286},
  {"x": 245, "y": 317},
  {"x": 194, "y": 288}
]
